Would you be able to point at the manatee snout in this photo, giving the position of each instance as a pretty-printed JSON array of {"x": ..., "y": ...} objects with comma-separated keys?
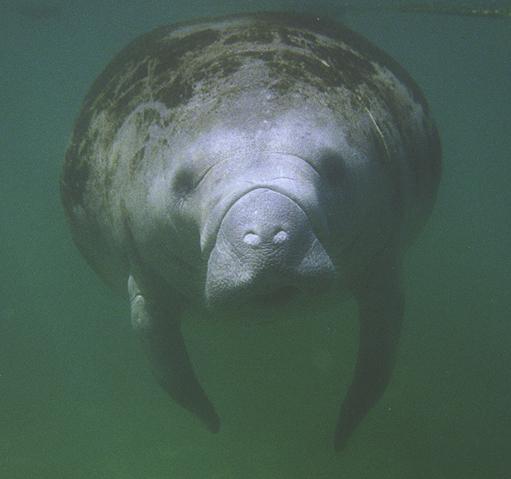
[{"x": 265, "y": 249}]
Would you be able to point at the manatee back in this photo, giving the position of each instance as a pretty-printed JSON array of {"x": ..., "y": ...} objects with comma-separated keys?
[{"x": 182, "y": 77}]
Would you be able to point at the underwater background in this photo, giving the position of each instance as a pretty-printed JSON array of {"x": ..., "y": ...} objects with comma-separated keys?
[{"x": 76, "y": 396}]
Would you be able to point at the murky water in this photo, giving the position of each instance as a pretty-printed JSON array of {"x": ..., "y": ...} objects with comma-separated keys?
[{"x": 76, "y": 397}]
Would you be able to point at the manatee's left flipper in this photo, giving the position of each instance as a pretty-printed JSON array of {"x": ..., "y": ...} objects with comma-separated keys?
[
  {"x": 164, "y": 344},
  {"x": 381, "y": 305}
]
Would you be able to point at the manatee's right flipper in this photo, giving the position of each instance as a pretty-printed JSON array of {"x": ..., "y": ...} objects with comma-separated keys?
[
  {"x": 161, "y": 335},
  {"x": 381, "y": 306}
]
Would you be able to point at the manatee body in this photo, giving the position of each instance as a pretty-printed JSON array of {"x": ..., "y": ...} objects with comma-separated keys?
[{"x": 248, "y": 161}]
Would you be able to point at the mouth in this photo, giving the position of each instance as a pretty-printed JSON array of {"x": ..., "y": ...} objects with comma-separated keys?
[
  {"x": 262, "y": 303},
  {"x": 278, "y": 297}
]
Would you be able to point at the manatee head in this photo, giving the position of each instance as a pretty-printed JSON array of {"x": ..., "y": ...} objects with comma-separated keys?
[{"x": 260, "y": 207}]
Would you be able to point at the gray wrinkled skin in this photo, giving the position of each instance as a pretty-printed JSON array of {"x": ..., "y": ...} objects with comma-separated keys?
[{"x": 252, "y": 160}]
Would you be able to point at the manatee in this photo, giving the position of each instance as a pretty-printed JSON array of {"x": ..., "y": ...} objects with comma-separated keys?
[{"x": 251, "y": 161}]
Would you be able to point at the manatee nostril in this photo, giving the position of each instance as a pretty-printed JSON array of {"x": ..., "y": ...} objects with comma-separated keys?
[
  {"x": 252, "y": 239},
  {"x": 280, "y": 237}
]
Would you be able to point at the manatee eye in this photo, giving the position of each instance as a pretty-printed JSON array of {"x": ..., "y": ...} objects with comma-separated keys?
[
  {"x": 183, "y": 183},
  {"x": 333, "y": 168}
]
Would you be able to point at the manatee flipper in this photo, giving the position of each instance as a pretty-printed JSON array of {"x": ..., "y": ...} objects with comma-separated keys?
[
  {"x": 381, "y": 306},
  {"x": 165, "y": 348}
]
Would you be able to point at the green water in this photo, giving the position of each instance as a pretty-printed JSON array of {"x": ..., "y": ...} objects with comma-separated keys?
[{"x": 76, "y": 398}]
